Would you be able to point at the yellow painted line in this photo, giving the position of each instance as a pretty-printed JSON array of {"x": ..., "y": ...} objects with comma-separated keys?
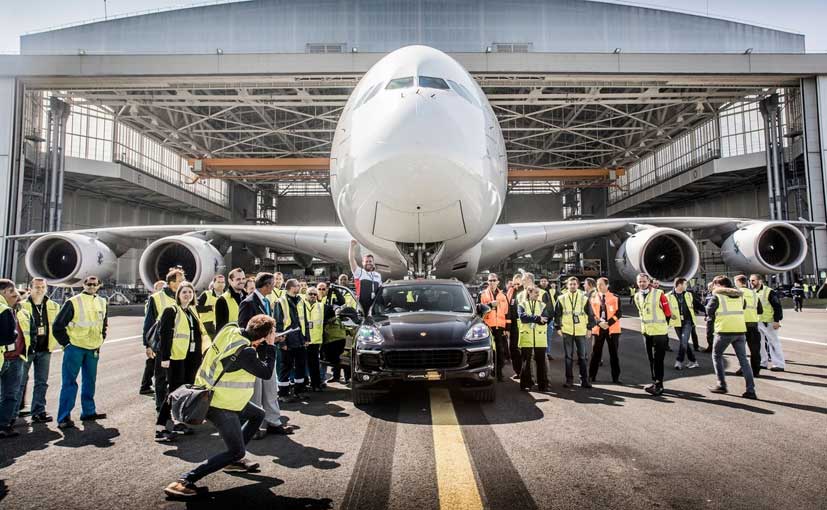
[{"x": 455, "y": 479}]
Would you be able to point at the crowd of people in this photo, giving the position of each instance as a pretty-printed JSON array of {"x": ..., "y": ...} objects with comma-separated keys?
[
  {"x": 523, "y": 316},
  {"x": 258, "y": 342}
]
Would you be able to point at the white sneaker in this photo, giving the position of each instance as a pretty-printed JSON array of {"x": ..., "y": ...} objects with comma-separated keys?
[
  {"x": 694, "y": 364},
  {"x": 678, "y": 365}
]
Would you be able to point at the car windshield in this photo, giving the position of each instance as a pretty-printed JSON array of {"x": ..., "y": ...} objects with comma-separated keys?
[{"x": 422, "y": 298}]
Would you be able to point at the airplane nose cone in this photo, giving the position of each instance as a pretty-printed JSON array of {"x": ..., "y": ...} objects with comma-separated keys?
[{"x": 419, "y": 149}]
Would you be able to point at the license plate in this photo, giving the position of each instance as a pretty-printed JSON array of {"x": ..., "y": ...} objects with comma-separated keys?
[{"x": 430, "y": 375}]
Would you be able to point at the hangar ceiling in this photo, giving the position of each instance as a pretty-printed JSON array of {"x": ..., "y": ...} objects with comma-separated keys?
[{"x": 548, "y": 121}]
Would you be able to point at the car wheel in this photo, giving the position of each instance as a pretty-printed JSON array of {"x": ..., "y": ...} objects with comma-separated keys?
[
  {"x": 487, "y": 394},
  {"x": 362, "y": 397}
]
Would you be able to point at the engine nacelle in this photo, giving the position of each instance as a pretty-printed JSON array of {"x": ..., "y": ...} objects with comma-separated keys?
[
  {"x": 663, "y": 253},
  {"x": 765, "y": 247},
  {"x": 67, "y": 259},
  {"x": 200, "y": 260}
]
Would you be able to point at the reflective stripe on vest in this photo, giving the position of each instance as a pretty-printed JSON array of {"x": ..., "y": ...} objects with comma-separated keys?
[
  {"x": 86, "y": 328},
  {"x": 767, "y": 314},
  {"x": 652, "y": 318},
  {"x": 162, "y": 301},
  {"x": 315, "y": 314},
  {"x": 729, "y": 318},
  {"x": 573, "y": 308},
  {"x": 235, "y": 388},
  {"x": 751, "y": 308},
  {"x": 532, "y": 334}
]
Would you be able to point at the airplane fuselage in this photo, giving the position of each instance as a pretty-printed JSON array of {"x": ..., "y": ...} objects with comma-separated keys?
[{"x": 418, "y": 157}]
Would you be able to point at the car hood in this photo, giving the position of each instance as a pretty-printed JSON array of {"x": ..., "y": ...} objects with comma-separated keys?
[{"x": 440, "y": 329}]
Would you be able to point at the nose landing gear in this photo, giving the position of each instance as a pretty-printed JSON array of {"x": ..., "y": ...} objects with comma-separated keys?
[{"x": 420, "y": 258}]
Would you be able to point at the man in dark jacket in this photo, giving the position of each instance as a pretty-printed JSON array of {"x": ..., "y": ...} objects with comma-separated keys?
[
  {"x": 11, "y": 366},
  {"x": 291, "y": 315}
]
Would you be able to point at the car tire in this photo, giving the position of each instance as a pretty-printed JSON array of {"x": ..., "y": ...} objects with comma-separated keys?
[
  {"x": 362, "y": 397},
  {"x": 487, "y": 394}
]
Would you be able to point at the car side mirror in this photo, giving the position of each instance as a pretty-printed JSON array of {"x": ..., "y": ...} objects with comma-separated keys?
[{"x": 482, "y": 309}]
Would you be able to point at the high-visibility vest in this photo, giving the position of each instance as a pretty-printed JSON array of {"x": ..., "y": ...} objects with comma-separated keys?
[
  {"x": 767, "y": 314},
  {"x": 523, "y": 294},
  {"x": 552, "y": 297},
  {"x": 495, "y": 318},
  {"x": 232, "y": 307},
  {"x": 652, "y": 318},
  {"x": 25, "y": 317},
  {"x": 806, "y": 288},
  {"x": 573, "y": 308},
  {"x": 235, "y": 388},
  {"x": 678, "y": 319},
  {"x": 274, "y": 297},
  {"x": 533, "y": 334},
  {"x": 729, "y": 317},
  {"x": 751, "y": 308},
  {"x": 315, "y": 321},
  {"x": 285, "y": 313},
  {"x": 208, "y": 317},
  {"x": 181, "y": 334},
  {"x": 162, "y": 301},
  {"x": 333, "y": 329},
  {"x": 612, "y": 306},
  {"x": 86, "y": 328}
]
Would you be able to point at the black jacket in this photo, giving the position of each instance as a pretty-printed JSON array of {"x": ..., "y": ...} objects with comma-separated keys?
[
  {"x": 260, "y": 363},
  {"x": 8, "y": 327},
  {"x": 295, "y": 339},
  {"x": 249, "y": 308},
  {"x": 151, "y": 316}
]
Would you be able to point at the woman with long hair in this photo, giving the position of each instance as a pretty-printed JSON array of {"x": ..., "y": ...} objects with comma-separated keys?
[{"x": 183, "y": 340}]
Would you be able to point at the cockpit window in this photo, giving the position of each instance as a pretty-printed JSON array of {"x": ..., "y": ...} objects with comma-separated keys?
[
  {"x": 463, "y": 92},
  {"x": 368, "y": 95},
  {"x": 430, "y": 82},
  {"x": 400, "y": 83}
]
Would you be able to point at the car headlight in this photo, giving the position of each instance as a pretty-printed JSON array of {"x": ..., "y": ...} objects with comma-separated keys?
[
  {"x": 369, "y": 335},
  {"x": 477, "y": 333}
]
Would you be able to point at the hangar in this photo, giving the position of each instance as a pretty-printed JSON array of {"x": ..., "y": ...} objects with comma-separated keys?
[{"x": 607, "y": 110}]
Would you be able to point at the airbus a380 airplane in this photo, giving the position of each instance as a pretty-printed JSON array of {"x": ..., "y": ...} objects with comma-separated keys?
[{"x": 418, "y": 177}]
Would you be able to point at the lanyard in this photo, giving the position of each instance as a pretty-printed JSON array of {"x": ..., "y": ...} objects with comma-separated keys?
[{"x": 572, "y": 300}]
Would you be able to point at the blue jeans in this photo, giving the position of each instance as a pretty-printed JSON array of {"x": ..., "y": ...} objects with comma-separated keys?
[
  {"x": 41, "y": 361},
  {"x": 236, "y": 428},
  {"x": 570, "y": 342},
  {"x": 684, "y": 335},
  {"x": 10, "y": 376},
  {"x": 549, "y": 336},
  {"x": 77, "y": 360},
  {"x": 739, "y": 344}
]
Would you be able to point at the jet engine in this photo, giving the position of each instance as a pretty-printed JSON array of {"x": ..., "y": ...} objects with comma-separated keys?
[
  {"x": 67, "y": 259},
  {"x": 663, "y": 253},
  {"x": 765, "y": 247},
  {"x": 199, "y": 259}
]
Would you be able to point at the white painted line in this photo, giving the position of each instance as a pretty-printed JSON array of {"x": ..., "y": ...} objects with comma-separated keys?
[
  {"x": 116, "y": 340},
  {"x": 787, "y": 338}
]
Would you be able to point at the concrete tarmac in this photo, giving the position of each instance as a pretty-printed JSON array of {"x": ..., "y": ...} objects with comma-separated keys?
[{"x": 612, "y": 447}]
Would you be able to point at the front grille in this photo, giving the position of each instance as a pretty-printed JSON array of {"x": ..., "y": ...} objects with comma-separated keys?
[
  {"x": 369, "y": 361},
  {"x": 477, "y": 359},
  {"x": 424, "y": 359}
]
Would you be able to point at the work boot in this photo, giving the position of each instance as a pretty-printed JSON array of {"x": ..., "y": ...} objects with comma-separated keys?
[{"x": 718, "y": 389}]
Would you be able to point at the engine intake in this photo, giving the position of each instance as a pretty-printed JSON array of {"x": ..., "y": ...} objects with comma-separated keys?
[
  {"x": 199, "y": 259},
  {"x": 67, "y": 259},
  {"x": 663, "y": 253},
  {"x": 765, "y": 247}
]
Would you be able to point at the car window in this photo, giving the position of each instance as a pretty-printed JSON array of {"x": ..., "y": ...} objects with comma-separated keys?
[
  {"x": 422, "y": 298},
  {"x": 430, "y": 82},
  {"x": 400, "y": 83}
]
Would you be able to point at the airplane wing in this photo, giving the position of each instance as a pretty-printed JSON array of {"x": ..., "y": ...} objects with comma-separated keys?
[
  {"x": 660, "y": 246},
  {"x": 66, "y": 257}
]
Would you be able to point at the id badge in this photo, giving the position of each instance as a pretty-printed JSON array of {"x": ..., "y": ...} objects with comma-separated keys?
[
  {"x": 682, "y": 319},
  {"x": 575, "y": 319},
  {"x": 192, "y": 346},
  {"x": 41, "y": 330},
  {"x": 372, "y": 295},
  {"x": 309, "y": 324},
  {"x": 533, "y": 325}
]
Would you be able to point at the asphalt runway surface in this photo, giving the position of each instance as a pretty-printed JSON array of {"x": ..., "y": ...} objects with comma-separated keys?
[{"x": 612, "y": 446}]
